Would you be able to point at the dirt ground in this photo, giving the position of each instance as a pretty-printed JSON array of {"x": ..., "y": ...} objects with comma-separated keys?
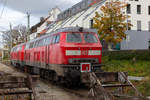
[
  {"x": 10, "y": 70},
  {"x": 47, "y": 90},
  {"x": 55, "y": 93}
]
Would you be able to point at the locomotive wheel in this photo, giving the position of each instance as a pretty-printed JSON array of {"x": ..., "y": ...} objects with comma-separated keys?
[
  {"x": 47, "y": 75},
  {"x": 42, "y": 73},
  {"x": 55, "y": 77},
  {"x": 72, "y": 82}
]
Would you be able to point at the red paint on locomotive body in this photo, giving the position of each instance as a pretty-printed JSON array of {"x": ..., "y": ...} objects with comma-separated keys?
[
  {"x": 60, "y": 49},
  {"x": 17, "y": 53},
  {"x": 82, "y": 47}
]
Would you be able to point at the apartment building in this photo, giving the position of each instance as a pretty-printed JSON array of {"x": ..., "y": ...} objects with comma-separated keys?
[
  {"x": 82, "y": 13},
  {"x": 139, "y": 10},
  {"x": 139, "y": 34}
]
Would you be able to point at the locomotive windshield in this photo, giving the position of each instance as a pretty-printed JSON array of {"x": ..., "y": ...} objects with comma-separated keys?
[
  {"x": 74, "y": 37},
  {"x": 90, "y": 38}
]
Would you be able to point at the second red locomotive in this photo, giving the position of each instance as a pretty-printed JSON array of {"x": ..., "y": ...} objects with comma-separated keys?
[{"x": 60, "y": 55}]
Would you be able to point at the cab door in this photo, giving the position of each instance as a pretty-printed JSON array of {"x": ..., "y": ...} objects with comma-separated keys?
[
  {"x": 55, "y": 49},
  {"x": 47, "y": 49},
  {"x": 46, "y": 54}
]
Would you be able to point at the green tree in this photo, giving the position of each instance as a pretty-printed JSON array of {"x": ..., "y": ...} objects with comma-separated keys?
[{"x": 111, "y": 22}]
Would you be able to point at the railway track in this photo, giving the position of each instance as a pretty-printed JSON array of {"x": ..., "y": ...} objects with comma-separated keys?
[{"x": 81, "y": 92}]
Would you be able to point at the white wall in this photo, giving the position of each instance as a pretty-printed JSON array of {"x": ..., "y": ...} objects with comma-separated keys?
[
  {"x": 144, "y": 16},
  {"x": 136, "y": 40},
  {"x": 81, "y": 19},
  {"x": 53, "y": 17}
]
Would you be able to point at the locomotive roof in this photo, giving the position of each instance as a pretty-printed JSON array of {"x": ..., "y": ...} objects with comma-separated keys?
[
  {"x": 74, "y": 29},
  {"x": 68, "y": 29}
]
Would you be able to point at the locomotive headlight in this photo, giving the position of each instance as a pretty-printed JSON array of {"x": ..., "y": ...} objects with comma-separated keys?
[
  {"x": 73, "y": 52},
  {"x": 94, "y": 52}
]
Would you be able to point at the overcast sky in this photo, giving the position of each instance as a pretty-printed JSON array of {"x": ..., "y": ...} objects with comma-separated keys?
[{"x": 15, "y": 10}]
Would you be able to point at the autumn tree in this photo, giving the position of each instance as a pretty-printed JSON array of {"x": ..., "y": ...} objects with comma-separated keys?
[{"x": 111, "y": 22}]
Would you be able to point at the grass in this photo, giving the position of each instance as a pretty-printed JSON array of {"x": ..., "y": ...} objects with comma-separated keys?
[{"x": 134, "y": 68}]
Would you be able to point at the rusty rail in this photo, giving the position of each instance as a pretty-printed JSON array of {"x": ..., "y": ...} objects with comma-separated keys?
[
  {"x": 101, "y": 90},
  {"x": 18, "y": 87}
]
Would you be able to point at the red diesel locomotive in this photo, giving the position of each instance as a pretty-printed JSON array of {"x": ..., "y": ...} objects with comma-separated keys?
[{"x": 60, "y": 54}]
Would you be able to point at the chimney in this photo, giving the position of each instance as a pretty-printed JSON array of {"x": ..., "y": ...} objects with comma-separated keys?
[{"x": 41, "y": 19}]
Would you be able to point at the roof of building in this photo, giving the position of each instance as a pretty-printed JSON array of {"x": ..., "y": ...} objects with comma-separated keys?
[
  {"x": 71, "y": 20},
  {"x": 3, "y": 49},
  {"x": 34, "y": 28}
]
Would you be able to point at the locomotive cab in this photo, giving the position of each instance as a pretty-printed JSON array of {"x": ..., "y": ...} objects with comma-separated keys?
[
  {"x": 82, "y": 52},
  {"x": 82, "y": 47}
]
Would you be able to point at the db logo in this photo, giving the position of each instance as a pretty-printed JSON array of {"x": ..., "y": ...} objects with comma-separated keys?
[
  {"x": 84, "y": 52},
  {"x": 85, "y": 67}
]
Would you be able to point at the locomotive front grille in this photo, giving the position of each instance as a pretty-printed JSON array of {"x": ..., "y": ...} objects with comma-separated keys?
[{"x": 83, "y": 60}]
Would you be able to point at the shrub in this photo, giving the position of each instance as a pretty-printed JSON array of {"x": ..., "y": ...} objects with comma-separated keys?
[{"x": 128, "y": 55}]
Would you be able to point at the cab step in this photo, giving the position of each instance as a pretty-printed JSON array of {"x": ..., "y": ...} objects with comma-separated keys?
[{"x": 116, "y": 85}]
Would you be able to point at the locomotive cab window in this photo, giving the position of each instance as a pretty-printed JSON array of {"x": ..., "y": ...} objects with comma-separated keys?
[
  {"x": 36, "y": 43},
  {"x": 53, "y": 40},
  {"x": 17, "y": 49},
  {"x": 31, "y": 45},
  {"x": 90, "y": 38},
  {"x": 27, "y": 46},
  {"x": 48, "y": 41},
  {"x": 40, "y": 42},
  {"x": 56, "y": 39},
  {"x": 74, "y": 38}
]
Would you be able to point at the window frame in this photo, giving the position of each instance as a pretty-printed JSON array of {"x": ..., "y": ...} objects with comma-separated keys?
[
  {"x": 31, "y": 45},
  {"x": 139, "y": 25},
  {"x": 53, "y": 39},
  {"x": 129, "y": 22},
  {"x": 57, "y": 38},
  {"x": 138, "y": 9},
  {"x": 40, "y": 43},
  {"x": 148, "y": 10},
  {"x": 27, "y": 46},
  {"x": 149, "y": 26},
  {"x": 48, "y": 40},
  {"x": 128, "y": 11},
  {"x": 93, "y": 36},
  {"x": 73, "y": 42}
]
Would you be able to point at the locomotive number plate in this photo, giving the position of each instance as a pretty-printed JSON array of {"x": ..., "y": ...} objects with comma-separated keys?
[{"x": 85, "y": 67}]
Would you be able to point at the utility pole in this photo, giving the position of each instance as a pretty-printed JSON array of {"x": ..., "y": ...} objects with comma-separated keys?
[
  {"x": 28, "y": 26},
  {"x": 11, "y": 38}
]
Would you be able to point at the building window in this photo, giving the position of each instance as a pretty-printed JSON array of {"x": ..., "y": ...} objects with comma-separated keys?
[
  {"x": 138, "y": 25},
  {"x": 128, "y": 8},
  {"x": 149, "y": 25},
  {"x": 138, "y": 9},
  {"x": 149, "y": 10},
  {"x": 91, "y": 23},
  {"x": 128, "y": 22},
  {"x": 136, "y": 0},
  {"x": 149, "y": 44}
]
